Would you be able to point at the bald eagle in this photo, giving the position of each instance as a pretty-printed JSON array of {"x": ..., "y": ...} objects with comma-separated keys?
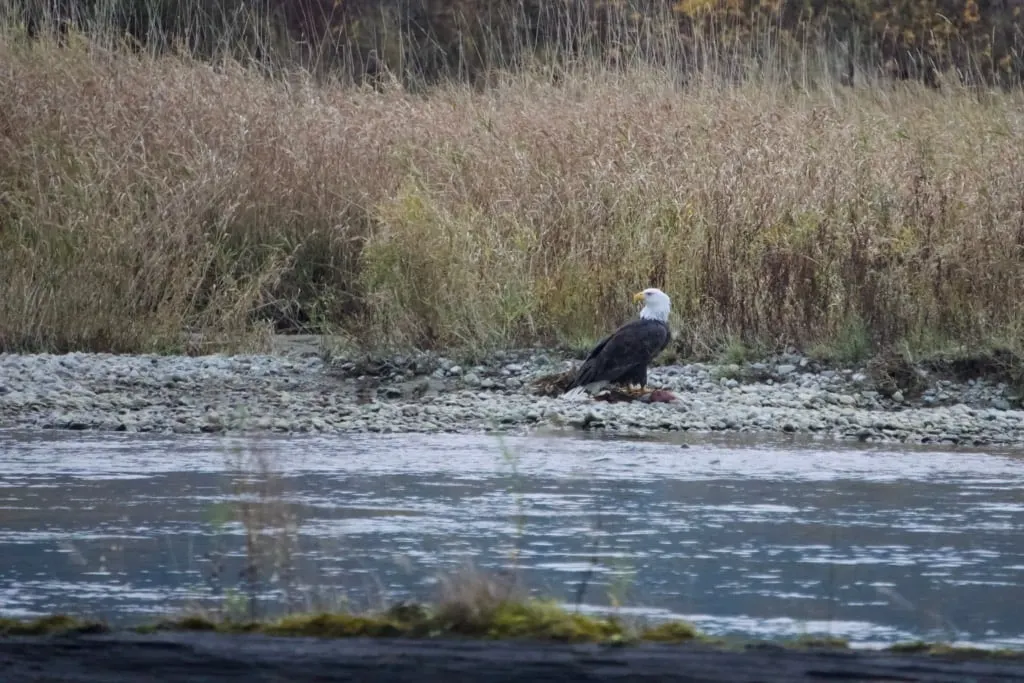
[{"x": 623, "y": 356}]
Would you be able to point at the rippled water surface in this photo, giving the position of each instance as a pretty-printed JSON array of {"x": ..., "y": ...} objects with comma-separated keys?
[{"x": 763, "y": 539}]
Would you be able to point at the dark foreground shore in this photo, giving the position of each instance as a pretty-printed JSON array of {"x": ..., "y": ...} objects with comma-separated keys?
[{"x": 194, "y": 657}]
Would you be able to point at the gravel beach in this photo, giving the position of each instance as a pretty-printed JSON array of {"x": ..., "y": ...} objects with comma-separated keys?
[{"x": 295, "y": 390}]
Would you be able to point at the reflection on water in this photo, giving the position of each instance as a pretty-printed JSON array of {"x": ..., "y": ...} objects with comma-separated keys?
[{"x": 762, "y": 539}]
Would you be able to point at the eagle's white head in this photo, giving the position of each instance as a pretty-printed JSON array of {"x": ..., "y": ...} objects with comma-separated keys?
[{"x": 656, "y": 304}]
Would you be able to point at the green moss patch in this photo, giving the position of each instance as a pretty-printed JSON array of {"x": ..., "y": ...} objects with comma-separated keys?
[
  {"x": 540, "y": 620},
  {"x": 819, "y": 642},
  {"x": 338, "y": 626},
  {"x": 670, "y": 632},
  {"x": 966, "y": 652},
  {"x": 527, "y": 619},
  {"x": 57, "y": 624}
]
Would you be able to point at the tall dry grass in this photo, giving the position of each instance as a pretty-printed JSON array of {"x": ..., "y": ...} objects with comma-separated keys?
[{"x": 142, "y": 197}]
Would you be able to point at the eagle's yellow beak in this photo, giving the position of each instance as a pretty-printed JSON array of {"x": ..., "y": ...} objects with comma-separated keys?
[{"x": 639, "y": 296}]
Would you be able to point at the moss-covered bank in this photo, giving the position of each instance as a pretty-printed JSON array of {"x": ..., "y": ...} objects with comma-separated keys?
[{"x": 531, "y": 620}]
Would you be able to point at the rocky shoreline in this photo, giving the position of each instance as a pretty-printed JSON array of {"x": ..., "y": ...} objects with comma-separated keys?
[{"x": 297, "y": 390}]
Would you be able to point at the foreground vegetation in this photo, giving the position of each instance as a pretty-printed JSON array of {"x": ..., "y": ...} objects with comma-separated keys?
[
  {"x": 145, "y": 196},
  {"x": 530, "y": 620}
]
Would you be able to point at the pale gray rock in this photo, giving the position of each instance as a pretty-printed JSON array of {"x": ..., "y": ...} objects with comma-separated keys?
[{"x": 220, "y": 394}]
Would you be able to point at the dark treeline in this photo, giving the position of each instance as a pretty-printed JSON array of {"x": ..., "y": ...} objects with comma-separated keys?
[{"x": 423, "y": 41}]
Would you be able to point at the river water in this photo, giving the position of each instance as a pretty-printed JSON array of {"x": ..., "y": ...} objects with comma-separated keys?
[{"x": 751, "y": 538}]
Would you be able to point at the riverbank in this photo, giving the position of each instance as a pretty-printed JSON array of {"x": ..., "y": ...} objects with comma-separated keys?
[
  {"x": 127, "y": 658},
  {"x": 297, "y": 390}
]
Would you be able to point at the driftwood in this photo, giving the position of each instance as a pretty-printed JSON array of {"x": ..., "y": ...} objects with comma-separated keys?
[{"x": 170, "y": 657}]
